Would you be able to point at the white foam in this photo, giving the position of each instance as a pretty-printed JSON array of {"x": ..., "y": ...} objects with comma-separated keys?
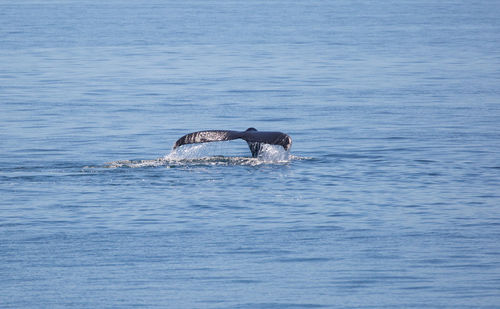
[{"x": 202, "y": 154}]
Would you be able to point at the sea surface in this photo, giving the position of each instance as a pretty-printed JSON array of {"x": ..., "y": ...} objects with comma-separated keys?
[{"x": 388, "y": 198}]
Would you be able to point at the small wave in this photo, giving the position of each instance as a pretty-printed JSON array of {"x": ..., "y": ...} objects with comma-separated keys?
[{"x": 193, "y": 155}]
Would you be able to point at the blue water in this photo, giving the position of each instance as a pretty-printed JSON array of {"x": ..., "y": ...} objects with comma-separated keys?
[{"x": 389, "y": 197}]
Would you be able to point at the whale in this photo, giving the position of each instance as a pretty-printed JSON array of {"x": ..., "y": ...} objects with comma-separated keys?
[{"x": 252, "y": 136}]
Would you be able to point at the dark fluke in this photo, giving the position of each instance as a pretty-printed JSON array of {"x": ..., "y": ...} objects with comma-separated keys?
[{"x": 254, "y": 138}]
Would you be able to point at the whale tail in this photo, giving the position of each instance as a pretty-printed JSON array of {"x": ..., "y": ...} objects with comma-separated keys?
[{"x": 254, "y": 138}]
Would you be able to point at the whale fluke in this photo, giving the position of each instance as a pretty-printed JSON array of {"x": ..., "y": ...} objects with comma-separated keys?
[{"x": 254, "y": 138}]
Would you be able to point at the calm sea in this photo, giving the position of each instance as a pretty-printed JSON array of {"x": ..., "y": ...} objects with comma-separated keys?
[{"x": 389, "y": 197}]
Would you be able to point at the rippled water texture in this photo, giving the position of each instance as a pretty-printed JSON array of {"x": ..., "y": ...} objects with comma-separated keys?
[{"x": 388, "y": 198}]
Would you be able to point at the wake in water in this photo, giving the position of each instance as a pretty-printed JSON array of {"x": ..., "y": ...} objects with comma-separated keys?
[{"x": 197, "y": 154}]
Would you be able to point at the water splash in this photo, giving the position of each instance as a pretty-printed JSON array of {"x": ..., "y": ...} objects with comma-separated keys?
[
  {"x": 274, "y": 154},
  {"x": 200, "y": 154}
]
